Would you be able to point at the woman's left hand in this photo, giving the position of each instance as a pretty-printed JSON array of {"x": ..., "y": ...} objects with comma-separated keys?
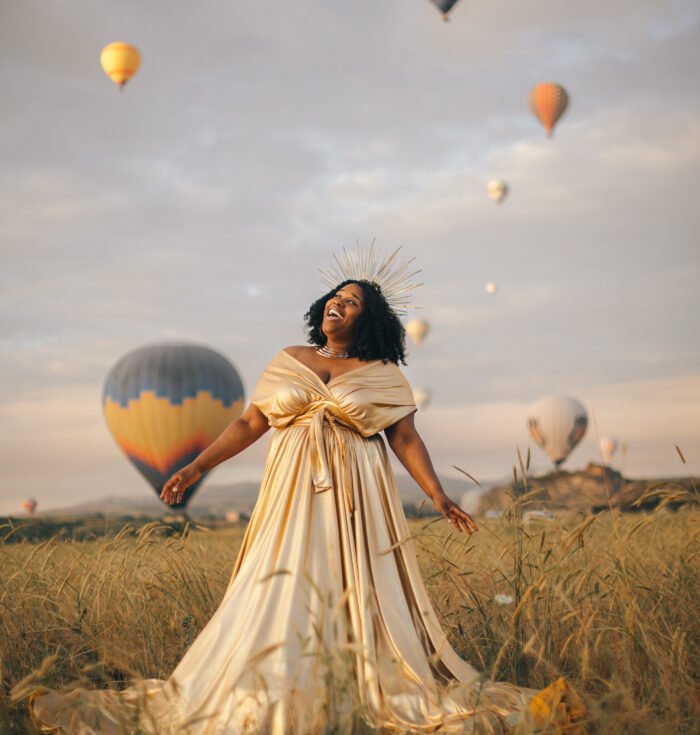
[{"x": 454, "y": 515}]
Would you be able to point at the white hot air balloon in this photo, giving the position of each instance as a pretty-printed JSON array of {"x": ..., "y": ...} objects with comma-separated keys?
[
  {"x": 491, "y": 288},
  {"x": 470, "y": 501},
  {"x": 497, "y": 190},
  {"x": 608, "y": 447},
  {"x": 422, "y": 397},
  {"x": 557, "y": 424},
  {"x": 417, "y": 330}
]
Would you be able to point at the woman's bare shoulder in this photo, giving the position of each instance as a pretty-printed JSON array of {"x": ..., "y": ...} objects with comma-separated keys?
[{"x": 298, "y": 350}]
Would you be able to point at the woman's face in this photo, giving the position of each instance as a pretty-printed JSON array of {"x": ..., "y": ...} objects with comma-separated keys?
[{"x": 342, "y": 311}]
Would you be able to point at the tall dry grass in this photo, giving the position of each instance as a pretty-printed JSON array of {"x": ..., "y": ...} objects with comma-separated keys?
[{"x": 611, "y": 602}]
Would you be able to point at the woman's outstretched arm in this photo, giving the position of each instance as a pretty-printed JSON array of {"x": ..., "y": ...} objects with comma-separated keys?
[
  {"x": 408, "y": 446},
  {"x": 238, "y": 435}
]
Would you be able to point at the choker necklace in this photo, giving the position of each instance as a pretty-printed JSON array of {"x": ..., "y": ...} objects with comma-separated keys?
[{"x": 326, "y": 351}]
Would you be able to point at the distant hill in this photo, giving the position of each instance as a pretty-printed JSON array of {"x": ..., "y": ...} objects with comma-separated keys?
[
  {"x": 216, "y": 500},
  {"x": 593, "y": 489}
]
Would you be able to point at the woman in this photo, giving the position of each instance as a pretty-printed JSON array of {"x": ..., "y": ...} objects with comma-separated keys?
[{"x": 326, "y": 614}]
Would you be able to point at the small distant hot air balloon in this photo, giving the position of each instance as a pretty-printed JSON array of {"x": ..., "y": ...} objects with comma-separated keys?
[
  {"x": 120, "y": 62},
  {"x": 497, "y": 190},
  {"x": 548, "y": 102},
  {"x": 29, "y": 506},
  {"x": 421, "y": 396},
  {"x": 417, "y": 330},
  {"x": 557, "y": 424},
  {"x": 470, "y": 501},
  {"x": 444, "y": 6},
  {"x": 491, "y": 288},
  {"x": 608, "y": 447},
  {"x": 165, "y": 403}
]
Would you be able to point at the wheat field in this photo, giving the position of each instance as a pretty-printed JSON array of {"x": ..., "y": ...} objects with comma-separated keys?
[{"x": 609, "y": 601}]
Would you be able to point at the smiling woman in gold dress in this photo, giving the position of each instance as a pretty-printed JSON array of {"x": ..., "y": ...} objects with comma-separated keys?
[{"x": 326, "y": 603}]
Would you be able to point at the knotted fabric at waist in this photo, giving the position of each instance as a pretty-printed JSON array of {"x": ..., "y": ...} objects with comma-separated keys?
[{"x": 316, "y": 418}]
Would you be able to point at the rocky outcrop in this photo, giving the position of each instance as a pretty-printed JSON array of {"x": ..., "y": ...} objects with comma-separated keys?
[{"x": 594, "y": 489}]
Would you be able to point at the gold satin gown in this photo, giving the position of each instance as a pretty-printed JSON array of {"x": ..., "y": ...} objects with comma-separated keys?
[{"x": 326, "y": 609}]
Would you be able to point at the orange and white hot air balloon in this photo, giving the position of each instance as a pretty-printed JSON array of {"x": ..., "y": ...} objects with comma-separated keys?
[
  {"x": 548, "y": 102},
  {"x": 120, "y": 61},
  {"x": 491, "y": 288},
  {"x": 497, "y": 190},
  {"x": 29, "y": 506},
  {"x": 417, "y": 330}
]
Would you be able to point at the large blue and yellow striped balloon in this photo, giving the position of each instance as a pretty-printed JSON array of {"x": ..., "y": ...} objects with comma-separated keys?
[{"x": 165, "y": 403}]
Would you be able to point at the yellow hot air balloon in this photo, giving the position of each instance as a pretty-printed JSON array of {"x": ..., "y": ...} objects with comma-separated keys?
[
  {"x": 491, "y": 288},
  {"x": 548, "y": 102},
  {"x": 421, "y": 396},
  {"x": 417, "y": 330},
  {"x": 166, "y": 402},
  {"x": 497, "y": 190},
  {"x": 120, "y": 61}
]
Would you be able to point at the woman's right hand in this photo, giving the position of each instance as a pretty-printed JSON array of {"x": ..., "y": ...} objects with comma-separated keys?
[{"x": 174, "y": 488}]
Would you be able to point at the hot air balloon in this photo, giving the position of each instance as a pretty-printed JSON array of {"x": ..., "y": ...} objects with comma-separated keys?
[
  {"x": 417, "y": 330},
  {"x": 557, "y": 424},
  {"x": 548, "y": 101},
  {"x": 421, "y": 396},
  {"x": 444, "y": 6},
  {"x": 29, "y": 506},
  {"x": 470, "y": 501},
  {"x": 608, "y": 447},
  {"x": 165, "y": 403},
  {"x": 120, "y": 62},
  {"x": 497, "y": 190},
  {"x": 490, "y": 287}
]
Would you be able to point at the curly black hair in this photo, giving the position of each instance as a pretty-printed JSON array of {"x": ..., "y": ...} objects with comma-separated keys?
[{"x": 380, "y": 334}]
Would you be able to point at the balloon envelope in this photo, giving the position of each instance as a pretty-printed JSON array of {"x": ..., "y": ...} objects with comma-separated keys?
[
  {"x": 469, "y": 502},
  {"x": 165, "y": 403},
  {"x": 120, "y": 61},
  {"x": 557, "y": 424},
  {"x": 444, "y": 6},
  {"x": 608, "y": 447},
  {"x": 497, "y": 190},
  {"x": 491, "y": 288},
  {"x": 548, "y": 102},
  {"x": 417, "y": 330},
  {"x": 29, "y": 506}
]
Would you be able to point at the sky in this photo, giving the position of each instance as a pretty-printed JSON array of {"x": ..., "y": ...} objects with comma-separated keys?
[{"x": 258, "y": 139}]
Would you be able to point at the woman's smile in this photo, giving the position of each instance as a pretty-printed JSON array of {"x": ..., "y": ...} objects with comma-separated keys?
[{"x": 334, "y": 313}]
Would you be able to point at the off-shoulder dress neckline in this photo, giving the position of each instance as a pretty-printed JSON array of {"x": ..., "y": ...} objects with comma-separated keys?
[{"x": 334, "y": 377}]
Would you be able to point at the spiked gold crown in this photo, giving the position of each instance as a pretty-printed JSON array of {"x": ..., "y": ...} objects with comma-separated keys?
[{"x": 394, "y": 279}]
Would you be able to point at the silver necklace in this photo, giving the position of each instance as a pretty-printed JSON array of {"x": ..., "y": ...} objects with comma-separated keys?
[{"x": 326, "y": 351}]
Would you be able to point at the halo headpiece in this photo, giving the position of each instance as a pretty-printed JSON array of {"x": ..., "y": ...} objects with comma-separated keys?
[{"x": 394, "y": 279}]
